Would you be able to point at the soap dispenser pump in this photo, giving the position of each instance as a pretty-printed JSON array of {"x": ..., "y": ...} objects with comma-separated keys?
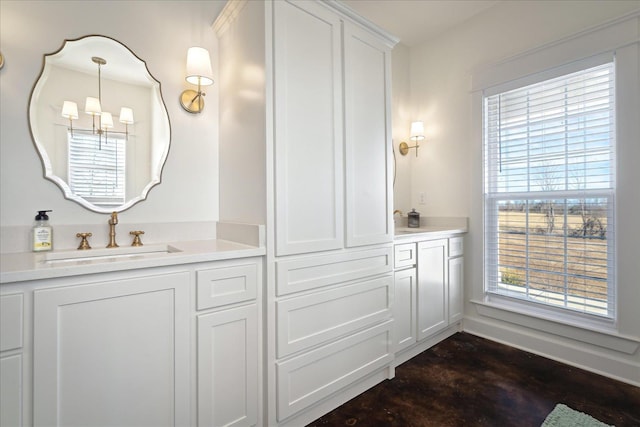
[{"x": 42, "y": 234}]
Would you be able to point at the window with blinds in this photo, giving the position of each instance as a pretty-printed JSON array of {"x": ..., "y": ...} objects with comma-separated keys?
[
  {"x": 549, "y": 170},
  {"x": 97, "y": 167}
]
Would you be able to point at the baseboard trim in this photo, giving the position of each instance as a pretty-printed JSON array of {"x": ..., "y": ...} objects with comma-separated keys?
[
  {"x": 556, "y": 349},
  {"x": 424, "y": 345}
]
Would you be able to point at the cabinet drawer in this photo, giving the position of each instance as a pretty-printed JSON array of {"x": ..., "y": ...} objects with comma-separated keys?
[
  {"x": 305, "y": 380},
  {"x": 11, "y": 315},
  {"x": 322, "y": 316},
  {"x": 226, "y": 285},
  {"x": 312, "y": 272},
  {"x": 456, "y": 246},
  {"x": 404, "y": 255}
]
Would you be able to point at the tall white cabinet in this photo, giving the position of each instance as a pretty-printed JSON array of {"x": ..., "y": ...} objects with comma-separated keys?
[
  {"x": 331, "y": 129},
  {"x": 308, "y": 82}
]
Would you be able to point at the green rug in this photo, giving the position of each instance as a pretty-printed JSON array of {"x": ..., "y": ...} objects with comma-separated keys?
[{"x": 563, "y": 416}]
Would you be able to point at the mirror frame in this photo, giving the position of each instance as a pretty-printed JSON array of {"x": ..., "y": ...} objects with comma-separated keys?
[{"x": 44, "y": 156}]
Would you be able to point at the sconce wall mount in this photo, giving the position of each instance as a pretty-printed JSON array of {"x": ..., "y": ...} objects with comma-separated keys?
[{"x": 417, "y": 134}]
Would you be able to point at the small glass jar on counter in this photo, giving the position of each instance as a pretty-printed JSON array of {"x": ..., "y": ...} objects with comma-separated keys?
[{"x": 413, "y": 219}]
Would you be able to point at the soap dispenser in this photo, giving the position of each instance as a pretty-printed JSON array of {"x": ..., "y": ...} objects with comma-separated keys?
[{"x": 42, "y": 233}]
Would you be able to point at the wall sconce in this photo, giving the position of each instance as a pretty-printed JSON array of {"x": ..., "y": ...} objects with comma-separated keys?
[
  {"x": 198, "y": 73},
  {"x": 417, "y": 134},
  {"x": 93, "y": 106}
]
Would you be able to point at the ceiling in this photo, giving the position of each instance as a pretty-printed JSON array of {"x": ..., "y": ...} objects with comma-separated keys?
[{"x": 416, "y": 21}]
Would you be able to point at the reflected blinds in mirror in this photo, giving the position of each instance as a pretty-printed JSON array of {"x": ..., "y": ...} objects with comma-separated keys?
[{"x": 97, "y": 168}]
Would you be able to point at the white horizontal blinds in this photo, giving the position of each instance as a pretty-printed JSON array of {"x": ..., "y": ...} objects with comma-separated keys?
[
  {"x": 549, "y": 191},
  {"x": 97, "y": 167}
]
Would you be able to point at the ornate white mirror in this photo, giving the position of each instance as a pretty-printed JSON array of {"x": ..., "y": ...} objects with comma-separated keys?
[{"x": 99, "y": 123}]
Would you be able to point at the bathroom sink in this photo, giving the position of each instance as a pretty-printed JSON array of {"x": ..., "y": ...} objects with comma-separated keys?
[{"x": 105, "y": 255}]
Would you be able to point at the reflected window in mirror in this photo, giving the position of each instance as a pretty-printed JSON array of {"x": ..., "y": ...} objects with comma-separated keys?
[{"x": 97, "y": 166}]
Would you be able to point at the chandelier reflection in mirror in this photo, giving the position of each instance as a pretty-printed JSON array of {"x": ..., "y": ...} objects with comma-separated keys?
[{"x": 93, "y": 107}]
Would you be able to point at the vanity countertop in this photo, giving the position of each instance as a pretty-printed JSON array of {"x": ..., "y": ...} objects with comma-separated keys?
[
  {"x": 430, "y": 228},
  {"x": 24, "y": 266}
]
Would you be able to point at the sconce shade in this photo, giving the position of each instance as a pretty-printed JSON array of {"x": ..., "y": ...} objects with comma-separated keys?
[
  {"x": 70, "y": 110},
  {"x": 92, "y": 106},
  {"x": 106, "y": 121},
  {"x": 126, "y": 115},
  {"x": 417, "y": 131},
  {"x": 199, "y": 67}
]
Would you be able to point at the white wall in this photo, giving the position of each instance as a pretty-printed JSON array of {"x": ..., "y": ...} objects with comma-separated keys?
[
  {"x": 401, "y": 119},
  {"x": 449, "y": 171},
  {"x": 160, "y": 33}
]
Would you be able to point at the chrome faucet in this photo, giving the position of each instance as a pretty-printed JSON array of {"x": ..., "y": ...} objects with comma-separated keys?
[{"x": 112, "y": 230}]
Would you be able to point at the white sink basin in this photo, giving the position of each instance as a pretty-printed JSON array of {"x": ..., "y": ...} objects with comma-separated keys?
[{"x": 108, "y": 254}]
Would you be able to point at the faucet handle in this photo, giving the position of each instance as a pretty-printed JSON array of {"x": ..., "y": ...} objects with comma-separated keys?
[
  {"x": 136, "y": 239},
  {"x": 84, "y": 244}
]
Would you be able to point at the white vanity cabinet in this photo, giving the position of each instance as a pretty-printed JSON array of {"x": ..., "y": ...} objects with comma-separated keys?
[
  {"x": 11, "y": 358},
  {"x": 433, "y": 290},
  {"x": 175, "y": 345},
  {"x": 405, "y": 293},
  {"x": 228, "y": 343},
  {"x": 428, "y": 298},
  {"x": 456, "y": 279},
  {"x": 113, "y": 352}
]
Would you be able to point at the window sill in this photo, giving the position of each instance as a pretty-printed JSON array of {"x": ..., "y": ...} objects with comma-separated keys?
[{"x": 598, "y": 336}]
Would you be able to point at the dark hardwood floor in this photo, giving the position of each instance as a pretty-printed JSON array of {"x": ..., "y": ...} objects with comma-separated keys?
[{"x": 470, "y": 381}]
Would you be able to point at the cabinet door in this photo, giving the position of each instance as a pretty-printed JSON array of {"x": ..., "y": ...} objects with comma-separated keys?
[
  {"x": 367, "y": 138},
  {"x": 11, "y": 390},
  {"x": 404, "y": 309},
  {"x": 308, "y": 127},
  {"x": 433, "y": 296},
  {"x": 456, "y": 290},
  {"x": 113, "y": 353},
  {"x": 228, "y": 367}
]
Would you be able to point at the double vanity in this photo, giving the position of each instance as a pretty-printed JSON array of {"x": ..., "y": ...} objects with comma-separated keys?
[{"x": 172, "y": 334}]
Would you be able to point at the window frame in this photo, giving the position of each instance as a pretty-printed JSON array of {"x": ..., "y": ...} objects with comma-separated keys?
[{"x": 490, "y": 238}]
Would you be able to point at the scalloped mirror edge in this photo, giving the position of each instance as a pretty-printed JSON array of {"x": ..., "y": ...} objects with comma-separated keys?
[{"x": 150, "y": 135}]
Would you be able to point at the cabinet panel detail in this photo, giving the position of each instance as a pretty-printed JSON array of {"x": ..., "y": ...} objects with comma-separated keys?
[
  {"x": 11, "y": 321},
  {"x": 308, "y": 138},
  {"x": 304, "y": 380},
  {"x": 404, "y": 308},
  {"x": 456, "y": 289},
  {"x": 11, "y": 390},
  {"x": 404, "y": 255},
  {"x": 228, "y": 367},
  {"x": 113, "y": 353},
  {"x": 312, "y": 272},
  {"x": 456, "y": 246},
  {"x": 226, "y": 285},
  {"x": 432, "y": 287},
  {"x": 367, "y": 138},
  {"x": 319, "y": 317}
]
